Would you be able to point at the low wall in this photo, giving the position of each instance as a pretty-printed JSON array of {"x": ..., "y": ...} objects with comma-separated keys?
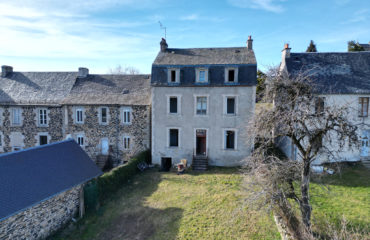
[{"x": 42, "y": 219}]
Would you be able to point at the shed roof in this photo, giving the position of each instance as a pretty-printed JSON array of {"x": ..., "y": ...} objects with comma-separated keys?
[
  {"x": 111, "y": 89},
  {"x": 31, "y": 176},
  {"x": 36, "y": 87},
  {"x": 334, "y": 73},
  {"x": 205, "y": 56}
]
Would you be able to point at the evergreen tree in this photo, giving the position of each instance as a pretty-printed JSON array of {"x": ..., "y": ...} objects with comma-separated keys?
[
  {"x": 260, "y": 90},
  {"x": 354, "y": 46},
  {"x": 311, "y": 47}
]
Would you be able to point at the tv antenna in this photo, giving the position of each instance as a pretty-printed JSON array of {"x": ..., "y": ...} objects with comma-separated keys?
[{"x": 165, "y": 29}]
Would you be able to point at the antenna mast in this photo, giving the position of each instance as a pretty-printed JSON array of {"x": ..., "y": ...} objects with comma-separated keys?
[{"x": 165, "y": 29}]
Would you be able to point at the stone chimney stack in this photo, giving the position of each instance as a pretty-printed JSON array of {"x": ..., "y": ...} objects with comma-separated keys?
[
  {"x": 250, "y": 43},
  {"x": 286, "y": 51},
  {"x": 5, "y": 70},
  {"x": 83, "y": 72},
  {"x": 164, "y": 45}
]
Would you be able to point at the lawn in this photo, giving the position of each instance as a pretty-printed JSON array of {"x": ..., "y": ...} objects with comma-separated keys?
[{"x": 209, "y": 205}]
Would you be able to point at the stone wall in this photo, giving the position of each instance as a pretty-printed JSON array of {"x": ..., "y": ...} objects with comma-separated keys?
[
  {"x": 29, "y": 129},
  {"x": 61, "y": 123},
  {"x": 42, "y": 219},
  {"x": 93, "y": 132}
]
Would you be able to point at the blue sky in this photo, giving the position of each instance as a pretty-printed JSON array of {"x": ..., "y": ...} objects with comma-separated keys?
[{"x": 54, "y": 35}]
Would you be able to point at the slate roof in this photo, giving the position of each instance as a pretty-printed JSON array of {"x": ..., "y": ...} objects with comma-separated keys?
[
  {"x": 36, "y": 87},
  {"x": 205, "y": 56},
  {"x": 56, "y": 88},
  {"x": 31, "y": 176},
  {"x": 334, "y": 73},
  {"x": 111, "y": 89},
  {"x": 365, "y": 46}
]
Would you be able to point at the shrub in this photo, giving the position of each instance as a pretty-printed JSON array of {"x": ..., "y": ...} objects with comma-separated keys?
[{"x": 111, "y": 181}]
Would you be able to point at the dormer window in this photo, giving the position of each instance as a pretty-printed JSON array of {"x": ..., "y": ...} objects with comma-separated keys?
[
  {"x": 231, "y": 75},
  {"x": 173, "y": 75},
  {"x": 202, "y": 75}
]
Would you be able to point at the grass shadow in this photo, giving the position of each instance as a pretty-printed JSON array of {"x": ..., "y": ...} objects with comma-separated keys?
[{"x": 125, "y": 215}]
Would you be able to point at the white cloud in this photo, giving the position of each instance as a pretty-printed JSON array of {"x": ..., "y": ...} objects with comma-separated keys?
[
  {"x": 191, "y": 17},
  {"x": 267, "y": 5},
  {"x": 30, "y": 33}
]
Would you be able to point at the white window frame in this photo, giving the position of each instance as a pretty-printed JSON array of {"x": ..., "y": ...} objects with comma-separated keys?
[
  {"x": 125, "y": 147},
  {"x": 224, "y": 139},
  {"x": 124, "y": 111},
  {"x": 178, "y": 104},
  {"x": 195, "y": 105},
  {"x": 177, "y": 75},
  {"x": 78, "y": 136},
  {"x": 12, "y": 116},
  {"x": 39, "y": 117},
  {"x": 178, "y": 140},
  {"x": 236, "y": 74},
  {"x": 197, "y": 75},
  {"x": 101, "y": 116},
  {"x": 236, "y": 97},
  {"x": 79, "y": 121}
]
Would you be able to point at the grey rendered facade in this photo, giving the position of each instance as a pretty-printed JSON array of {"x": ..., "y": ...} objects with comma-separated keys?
[{"x": 202, "y": 100}]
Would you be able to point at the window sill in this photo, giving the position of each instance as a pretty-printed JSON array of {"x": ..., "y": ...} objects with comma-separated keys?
[
  {"x": 201, "y": 115},
  {"x": 230, "y": 115},
  {"x": 126, "y": 124},
  {"x": 230, "y": 149}
]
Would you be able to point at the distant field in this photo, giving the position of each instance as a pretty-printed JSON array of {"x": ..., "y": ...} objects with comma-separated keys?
[{"x": 157, "y": 205}]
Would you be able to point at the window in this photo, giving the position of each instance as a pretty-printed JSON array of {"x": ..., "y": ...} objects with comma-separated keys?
[
  {"x": 80, "y": 140},
  {"x": 16, "y": 116},
  {"x": 229, "y": 139},
  {"x": 201, "y": 106},
  {"x": 43, "y": 117},
  {"x": 43, "y": 139},
  {"x": 174, "y": 138},
  {"x": 126, "y": 142},
  {"x": 230, "y": 105},
  {"x": 231, "y": 75},
  {"x": 79, "y": 115},
  {"x": 202, "y": 75},
  {"x": 104, "y": 115},
  {"x": 173, "y": 104},
  {"x": 173, "y": 75},
  {"x": 126, "y": 115},
  {"x": 319, "y": 104},
  {"x": 363, "y": 106}
]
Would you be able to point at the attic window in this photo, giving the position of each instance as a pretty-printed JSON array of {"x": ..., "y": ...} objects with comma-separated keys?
[
  {"x": 173, "y": 76},
  {"x": 231, "y": 75}
]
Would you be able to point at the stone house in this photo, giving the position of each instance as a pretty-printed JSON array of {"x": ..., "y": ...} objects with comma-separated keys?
[
  {"x": 340, "y": 79},
  {"x": 41, "y": 189},
  {"x": 202, "y": 100},
  {"x": 105, "y": 114}
]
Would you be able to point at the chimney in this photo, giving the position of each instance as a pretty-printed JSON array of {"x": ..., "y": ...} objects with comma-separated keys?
[
  {"x": 286, "y": 51},
  {"x": 164, "y": 45},
  {"x": 83, "y": 72},
  {"x": 6, "y": 70},
  {"x": 250, "y": 43}
]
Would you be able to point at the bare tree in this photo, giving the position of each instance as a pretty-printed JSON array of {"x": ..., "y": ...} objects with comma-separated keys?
[
  {"x": 297, "y": 116},
  {"x": 127, "y": 70}
]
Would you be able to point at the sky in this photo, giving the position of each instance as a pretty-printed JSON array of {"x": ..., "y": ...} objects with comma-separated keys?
[{"x": 54, "y": 35}]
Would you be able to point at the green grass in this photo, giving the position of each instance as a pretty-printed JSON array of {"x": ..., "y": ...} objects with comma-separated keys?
[
  {"x": 345, "y": 194},
  {"x": 157, "y": 205}
]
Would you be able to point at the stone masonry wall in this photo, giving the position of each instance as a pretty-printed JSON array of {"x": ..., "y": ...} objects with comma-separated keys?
[
  {"x": 93, "y": 132},
  {"x": 42, "y": 219},
  {"x": 29, "y": 128}
]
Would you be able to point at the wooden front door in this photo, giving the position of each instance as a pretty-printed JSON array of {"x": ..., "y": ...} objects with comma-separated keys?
[{"x": 201, "y": 142}]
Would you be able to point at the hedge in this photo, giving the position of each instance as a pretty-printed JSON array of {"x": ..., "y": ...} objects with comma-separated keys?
[{"x": 113, "y": 180}]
